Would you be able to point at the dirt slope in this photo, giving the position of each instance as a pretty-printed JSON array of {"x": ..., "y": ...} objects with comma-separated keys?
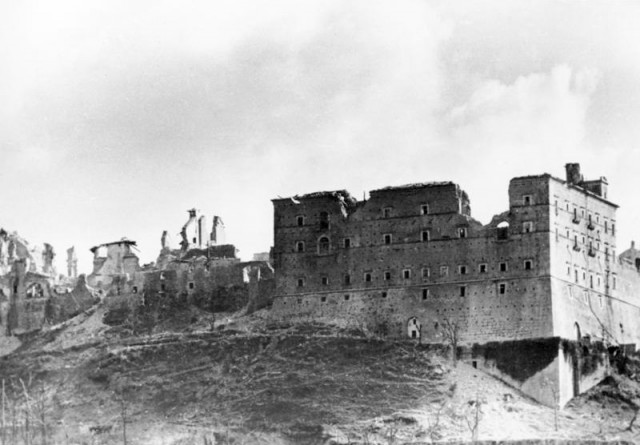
[{"x": 249, "y": 381}]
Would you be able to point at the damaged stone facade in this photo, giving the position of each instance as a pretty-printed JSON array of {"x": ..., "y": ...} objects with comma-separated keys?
[
  {"x": 31, "y": 293},
  {"x": 412, "y": 260},
  {"x": 201, "y": 272}
]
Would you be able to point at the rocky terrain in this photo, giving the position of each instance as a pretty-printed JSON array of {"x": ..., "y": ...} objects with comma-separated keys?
[{"x": 246, "y": 379}]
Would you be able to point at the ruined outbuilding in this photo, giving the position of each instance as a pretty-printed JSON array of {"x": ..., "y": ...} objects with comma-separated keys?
[
  {"x": 30, "y": 287},
  {"x": 542, "y": 277}
]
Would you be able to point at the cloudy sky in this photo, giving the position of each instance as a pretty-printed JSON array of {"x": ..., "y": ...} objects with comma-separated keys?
[{"x": 118, "y": 116}]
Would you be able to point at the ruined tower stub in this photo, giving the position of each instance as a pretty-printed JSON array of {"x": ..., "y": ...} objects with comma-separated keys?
[
  {"x": 217, "y": 231},
  {"x": 72, "y": 262}
]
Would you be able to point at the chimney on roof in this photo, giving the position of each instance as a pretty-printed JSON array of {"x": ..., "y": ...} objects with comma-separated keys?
[
  {"x": 573, "y": 173},
  {"x": 633, "y": 244}
]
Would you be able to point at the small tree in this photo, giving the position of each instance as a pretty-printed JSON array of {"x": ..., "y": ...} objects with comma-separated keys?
[
  {"x": 556, "y": 400},
  {"x": 450, "y": 332},
  {"x": 473, "y": 417}
]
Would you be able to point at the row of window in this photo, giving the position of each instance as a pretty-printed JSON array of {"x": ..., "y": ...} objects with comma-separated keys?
[
  {"x": 577, "y": 218},
  {"x": 501, "y": 289},
  {"x": 324, "y": 243},
  {"x": 573, "y": 295},
  {"x": 594, "y": 281},
  {"x": 426, "y": 273},
  {"x": 324, "y": 217},
  {"x": 580, "y": 241}
]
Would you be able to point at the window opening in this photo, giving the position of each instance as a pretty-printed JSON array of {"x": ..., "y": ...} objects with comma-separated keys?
[
  {"x": 324, "y": 220},
  {"x": 323, "y": 245},
  {"x": 503, "y": 230},
  {"x": 387, "y": 238},
  {"x": 406, "y": 274}
]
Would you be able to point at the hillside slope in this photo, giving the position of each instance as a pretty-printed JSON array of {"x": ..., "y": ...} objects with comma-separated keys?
[{"x": 269, "y": 383}]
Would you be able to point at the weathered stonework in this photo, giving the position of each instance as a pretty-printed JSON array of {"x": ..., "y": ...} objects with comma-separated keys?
[{"x": 413, "y": 256}]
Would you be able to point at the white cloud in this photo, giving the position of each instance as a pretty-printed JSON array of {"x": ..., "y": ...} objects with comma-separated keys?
[{"x": 510, "y": 129}]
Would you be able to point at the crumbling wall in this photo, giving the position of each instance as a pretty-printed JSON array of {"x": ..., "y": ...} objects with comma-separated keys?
[{"x": 63, "y": 306}]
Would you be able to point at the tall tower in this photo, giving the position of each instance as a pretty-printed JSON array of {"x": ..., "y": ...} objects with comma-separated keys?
[{"x": 72, "y": 262}]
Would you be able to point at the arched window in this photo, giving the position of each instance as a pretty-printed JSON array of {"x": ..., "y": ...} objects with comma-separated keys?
[
  {"x": 323, "y": 245},
  {"x": 503, "y": 230},
  {"x": 413, "y": 328},
  {"x": 324, "y": 220}
]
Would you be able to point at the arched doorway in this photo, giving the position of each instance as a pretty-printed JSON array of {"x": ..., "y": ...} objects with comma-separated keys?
[{"x": 413, "y": 328}]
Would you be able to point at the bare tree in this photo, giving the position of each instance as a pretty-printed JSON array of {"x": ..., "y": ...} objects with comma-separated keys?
[
  {"x": 556, "y": 400},
  {"x": 450, "y": 332},
  {"x": 473, "y": 417},
  {"x": 433, "y": 421}
]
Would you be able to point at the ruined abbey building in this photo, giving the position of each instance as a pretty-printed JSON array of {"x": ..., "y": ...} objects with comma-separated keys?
[
  {"x": 534, "y": 296},
  {"x": 32, "y": 293},
  {"x": 203, "y": 271}
]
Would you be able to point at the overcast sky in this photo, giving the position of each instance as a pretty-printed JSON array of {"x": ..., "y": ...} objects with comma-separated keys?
[{"x": 118, "y": 116}]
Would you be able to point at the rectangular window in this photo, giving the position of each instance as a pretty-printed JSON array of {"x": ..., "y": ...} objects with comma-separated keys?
[
  {"x": 347, "y": 243},
  {"x": 347, "y": 279},
  {"x": 386, "y": 212},
  {"x": 463, "y": 291},
  {"x": 444, "y": 271},
  {"x": 300, "y": 246},
  {"x": 387, "y": 238},
  {"x": 424, "y": 209},
  {"x": 384, "y": 295},
  {"x": 387, "y": 276},
  {"x": 300, "y": 282},
  {"x": 502, "y": 288},
  {"x": 426, "y": 235},
  {"x": 482, "y": 268},
  {"x": 325, "y": 281},
  {"x": 614, "y": 282},
  {"x": 323, "y": 299},
  {"x": 503, "y": 267},
  {"x": 527, "y": 200},
  {"x": 613, "y": 229},
  {"x": 528, "y": 264},
  {"x": 367, "y": 277},
  {"x": 462, "y": 270},
  {"x": 406, "y": 274},
  {"x": 425, "y": 294},
  {"x": 527, "y": 227},
  {"x": 346, "y": 297},
  {"x": 300, "y": 220},
  {"x": 191, "y": 285},
  {"x": 426, "y": 272},
  {"x": 600, "y": 301},
  {"x": 462, "y": 232}
]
